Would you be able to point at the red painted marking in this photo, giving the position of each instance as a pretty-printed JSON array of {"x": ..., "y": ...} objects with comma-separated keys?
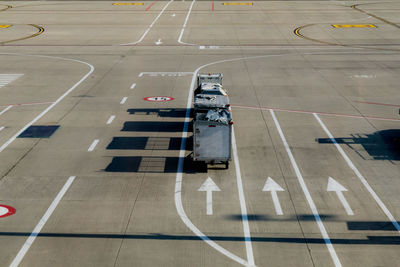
[
  {"x": 158, "y": 98},
  {"x": 212, "y": 6},
  {"x": 27, "y": 104},
  {"x": 10, "y": 209},
  {"x": 375, "y": 103},
  {"x": 319, "y": 113},
  {"x": 152, "y": 4}
]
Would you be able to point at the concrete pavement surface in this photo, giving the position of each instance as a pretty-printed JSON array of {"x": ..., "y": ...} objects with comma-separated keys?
[{"x": 93, "y": 174}]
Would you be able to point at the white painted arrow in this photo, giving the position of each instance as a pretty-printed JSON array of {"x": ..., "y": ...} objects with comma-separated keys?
[
  {"x": 273, "y": 187},
  {"x": 333, "y": 185},
  {"x": 209, "y": 186},
  {"x": 158, "y": 42}
]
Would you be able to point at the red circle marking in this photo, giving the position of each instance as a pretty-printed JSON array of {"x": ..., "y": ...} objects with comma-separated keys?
[
  {"x": 6, "y": 211},
  {"x": 158, "y": 98}
]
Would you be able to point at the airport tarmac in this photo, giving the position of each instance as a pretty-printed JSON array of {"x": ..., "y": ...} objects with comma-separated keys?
[{"x": 96, "y": 172}]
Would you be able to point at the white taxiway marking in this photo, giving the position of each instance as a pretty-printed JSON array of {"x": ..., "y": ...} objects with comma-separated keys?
[
  {"x": 359, "y": 175},
  {"x": 273, "y": 187},
  {"x": 6, "y": 144},
  {"x": 123, "y": 100},
  {"x": 334, "y": 186},
  {"x": 93, "y": 145},
  {"x": 173, "y": 15},
  {"x": 209, "y": 186},
  {"x": 151, "y": 25},
  {"x": 133, "y": 86},
  {"x": 1, "y": 128},
  {"x": 164, "y": 74},
  {"x": 110, "y": 120},
  {"x": 310, "y": 201},
  {"x": 7, "y": 78},
  {"x": 28, "y": 243},
  {"x": 184, "y": 25},
  {"x": 158, "y": 42},
  {"x": 5, "y": 110}
]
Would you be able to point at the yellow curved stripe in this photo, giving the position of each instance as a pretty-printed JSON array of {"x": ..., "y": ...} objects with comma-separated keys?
[{"x": 40, "y": 31}]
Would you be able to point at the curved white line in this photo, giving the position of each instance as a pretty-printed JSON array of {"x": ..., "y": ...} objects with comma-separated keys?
[
  {"x": 151, "y": 25},
  {"x": 184, "y": 26},
  {"x": 6, "y": 144}
]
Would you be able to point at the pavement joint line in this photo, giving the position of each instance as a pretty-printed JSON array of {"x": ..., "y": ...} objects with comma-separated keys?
[
  {"x": 307, "y": 194},
  {"x": 133, "y": 86},
  {"x": 110, "y": 120},
  {"x": 38, "y": 117},
  {"x": 359, "y": 175},
  {"x": 151, "y": 25},
  {"x": 184, "y": 25},
  {"x": 93, "y": 145},
  {"x": 36, "y": 231},
  {"x": 123, "y": 100},
  {"x": 5, "y": 110}
]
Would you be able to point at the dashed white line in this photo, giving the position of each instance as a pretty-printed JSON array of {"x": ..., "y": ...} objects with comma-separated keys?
[
  {"x": 359, "y": 175},
  {"x": 133, "y": 86},
  {"x": 93, "y": 145},
  {"x": 307, "y": 194},
  {"x": 1, "y": 128},
  {"x": 5, "y": 110},
  {"x": 110, "y": 120},
  {"x": 6, "y": 144},
  {"x": 28, "y": 243},
  {"x": 123, "y": 100},
  {"x": 151, "y": 25}
]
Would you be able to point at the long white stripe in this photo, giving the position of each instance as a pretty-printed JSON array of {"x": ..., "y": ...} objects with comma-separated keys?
[
  {"x": 359, "y": 175},
  {"x": 243, "y": 208},
  {"x": 307, "y": 194},
  {"x": 6, "y": 144},
  {"x": 184, "y": 25},
  {"x": 151, "y": 25},
  {"x": 110, "y": 120},
  {"x": 5, "y": 110},
  {"x": 93, "y": 145},
  {"x": 28, "y": 243}
]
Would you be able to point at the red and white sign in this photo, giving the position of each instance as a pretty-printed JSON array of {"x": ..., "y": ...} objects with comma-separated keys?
[
  {"x": 158, "y": 98},
  {"x": 6, "y": 211}
]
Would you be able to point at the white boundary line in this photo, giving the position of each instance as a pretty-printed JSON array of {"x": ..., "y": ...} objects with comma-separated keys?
[
  {"x": 123, "y": 100},
  {"x": 359, "y": 175},
  {"x": 133, "y": 86},
  {"x": 28, "y": 243},
  {"x": 151, "y": 25},
  {"x": 242, "y": 200},
  {"x": 307, "y": 194},
  {"x": 184, "y": 25},
  {"x": 2, "y": 128},
  {"x": 6, "y": 144},
  {"x": 5, "y": 110},
  {"x": 110, "y": 120}
]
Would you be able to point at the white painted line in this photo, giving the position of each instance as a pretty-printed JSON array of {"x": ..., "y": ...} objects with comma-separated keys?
[
  {"x": 133, "y": 86},
  {"x": 245, "y": 219},
  {"x": 158, "y": 42},
  {"x": 151, "y": 25},
  {"x": 209, "y": 186},
  {"x": 6, "y": 144},
  {"x": 5, "y": 110},
  {"x": 273, "y": 187},
  {"x": 307, "y": 194},
  {"x": 184, "y": 25},
  {"x": 110, "y": 120},
  {"x": 359, "y": 175},
  {"x": 93, "y": 145},
  {"x": 1, "y": 128},
  {"x": 8, "y": 78},
  {"x": 28, "y": 243},
  {"x": 334, "y": 186},
  {"x": 123, "y": 100}
]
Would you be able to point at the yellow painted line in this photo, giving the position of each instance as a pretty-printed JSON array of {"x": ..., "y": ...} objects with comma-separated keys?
[
  {"x": 127, "y": 4},
  {"x": 39, "y": 32},
  {"x": 4, "y": 26},
  {"x": 237, "y": 4},
  {"x": 353, "y": 26}
]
